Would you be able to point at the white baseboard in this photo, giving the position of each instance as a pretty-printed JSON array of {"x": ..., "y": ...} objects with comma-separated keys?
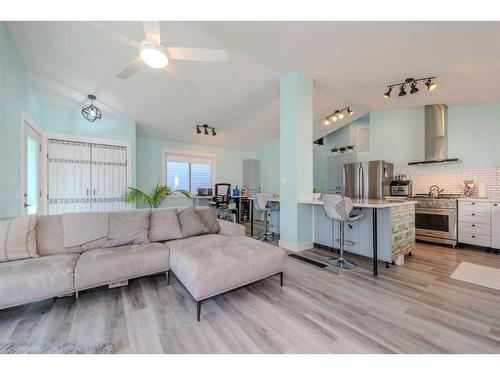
[{"x": 295, "y": 247}]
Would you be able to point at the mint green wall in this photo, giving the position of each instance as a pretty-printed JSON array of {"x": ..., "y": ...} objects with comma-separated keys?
[
  {"x": 69, "y": 120},
  {"x": 398, "y": 136},
  {"x": 269, "y": 156},
  {"x": 229, "y": 164},
  {"x": 16, "y": 94},
  {"x": 473, "y": 137},
  {"x": 296, "y": 158}
]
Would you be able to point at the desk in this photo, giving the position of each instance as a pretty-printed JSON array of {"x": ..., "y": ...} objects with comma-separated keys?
[{"x": 203, "y": 200}]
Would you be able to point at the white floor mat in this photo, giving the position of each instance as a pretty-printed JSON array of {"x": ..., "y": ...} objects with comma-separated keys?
[{"x": 476, "y": 274}]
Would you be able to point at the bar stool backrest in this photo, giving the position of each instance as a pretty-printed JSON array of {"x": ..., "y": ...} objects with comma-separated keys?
[
  {"x": 337, "y": 207},
  {"x": 260, "y": 201}
]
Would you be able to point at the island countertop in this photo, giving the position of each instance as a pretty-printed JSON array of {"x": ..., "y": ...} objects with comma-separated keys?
[{"x": 366, "y": 203}]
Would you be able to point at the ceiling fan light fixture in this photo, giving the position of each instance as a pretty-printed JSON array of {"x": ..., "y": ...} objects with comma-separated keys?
[{"x": 153, "y": 55}]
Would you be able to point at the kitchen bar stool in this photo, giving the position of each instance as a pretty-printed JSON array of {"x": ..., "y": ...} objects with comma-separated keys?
[{"x": 339, "y": 208}]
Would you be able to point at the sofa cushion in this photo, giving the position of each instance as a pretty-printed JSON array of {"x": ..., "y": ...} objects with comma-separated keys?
[
  {"x": 106, "y": 265},
  {"x": 18, "y": 238},
  {"x": 29, "y": 280},
  {"x": 191, "y": 223},
  {"x": 85, "y": 230},
  {"x": 128, "y": 228},
  {"x": 164, "y": 225},
  {"x": 212, "y": 264},
  {"x": 209, "y": 219},
  {"x": 50, "y": 236}
]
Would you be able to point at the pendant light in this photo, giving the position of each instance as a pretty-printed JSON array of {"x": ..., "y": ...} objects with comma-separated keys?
[{"x": 90, "y": 111}]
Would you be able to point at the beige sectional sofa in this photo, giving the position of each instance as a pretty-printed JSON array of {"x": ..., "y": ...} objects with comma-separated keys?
[{"x": 79, "y": 251}]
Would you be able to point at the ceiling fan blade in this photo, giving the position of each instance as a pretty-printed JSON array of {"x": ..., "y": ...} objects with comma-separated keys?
[
  {"x": 117, "y": 36},
  {"x": 152, "y": 30},
  {"x": 198, "y": 54},
  {"x": 131, "y": 68}
]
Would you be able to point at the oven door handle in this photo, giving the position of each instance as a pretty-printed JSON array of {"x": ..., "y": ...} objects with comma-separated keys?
[{"x": 434, "y": 211}]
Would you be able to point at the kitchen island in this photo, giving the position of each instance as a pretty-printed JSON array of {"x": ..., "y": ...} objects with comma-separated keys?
[{"x": 386, "y": 232}]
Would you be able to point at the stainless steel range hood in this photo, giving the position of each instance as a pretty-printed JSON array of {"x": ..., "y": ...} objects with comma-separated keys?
[{"x": 436, "y": 142}]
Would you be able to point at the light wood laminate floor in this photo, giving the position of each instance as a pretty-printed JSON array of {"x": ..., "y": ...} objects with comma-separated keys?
[{"x": 416, "y": 308}]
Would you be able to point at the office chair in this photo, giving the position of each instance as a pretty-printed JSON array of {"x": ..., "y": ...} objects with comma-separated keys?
[
  {"x": 339, "y": 208},
  {"x": 222, "y": 200}
]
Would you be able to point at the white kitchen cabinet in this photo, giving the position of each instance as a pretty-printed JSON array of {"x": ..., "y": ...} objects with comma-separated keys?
[
  {"x": 475, "y": 223},
  {"x": 336, "y": 171},
  {"x": 495, "y": 225}
]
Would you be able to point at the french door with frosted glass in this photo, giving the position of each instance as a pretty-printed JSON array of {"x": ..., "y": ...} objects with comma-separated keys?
[{"x": 85, "y": 176}]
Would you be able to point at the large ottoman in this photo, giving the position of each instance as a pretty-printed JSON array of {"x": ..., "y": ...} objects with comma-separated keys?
[{"x": 212, "y": 264}]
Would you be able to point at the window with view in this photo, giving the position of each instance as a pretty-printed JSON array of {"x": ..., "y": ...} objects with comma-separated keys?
[{"x": 188, "y": 171}]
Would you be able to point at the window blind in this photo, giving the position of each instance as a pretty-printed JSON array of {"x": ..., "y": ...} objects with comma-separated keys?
[{"x": 188, "y": 172}]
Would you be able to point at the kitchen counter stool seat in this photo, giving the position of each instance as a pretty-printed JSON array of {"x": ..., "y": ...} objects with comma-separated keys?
[{"x": 339, "y": 208}]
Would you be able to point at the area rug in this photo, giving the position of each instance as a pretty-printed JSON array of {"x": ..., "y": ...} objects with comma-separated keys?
[
  {"x": 55, "y": 348},
  {"x": 477, "y": 274}
]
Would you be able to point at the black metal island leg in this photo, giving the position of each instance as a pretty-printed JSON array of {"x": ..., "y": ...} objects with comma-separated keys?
[{"x": 375, "y": 242}]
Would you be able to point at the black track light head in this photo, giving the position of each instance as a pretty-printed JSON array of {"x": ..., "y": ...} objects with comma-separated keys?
[
  {"x": 350, "y": 111},
  {"x": 387, "y": 95},
  {"x": 414, "y": 88},
  {"x": 198, "y": 131},
  {"x": 206, "y": 131},
  {"x": 402, "y": 91},
  {"x": 213, "y": 132}
]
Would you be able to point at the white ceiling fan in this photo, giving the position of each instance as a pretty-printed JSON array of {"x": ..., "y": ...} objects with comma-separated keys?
[{"x": 154, "y": 54}]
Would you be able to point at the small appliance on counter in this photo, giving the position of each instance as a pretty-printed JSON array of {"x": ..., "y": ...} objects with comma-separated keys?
[
  {"x": 401, "y": 187},
  {"x": 205, "y": 192},
  {"x": 244, "y": 192},
  {"x": 236, "y": 191}
]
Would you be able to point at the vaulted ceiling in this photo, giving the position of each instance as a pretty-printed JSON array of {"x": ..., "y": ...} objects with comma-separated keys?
[{"x": 350, "y": 62}]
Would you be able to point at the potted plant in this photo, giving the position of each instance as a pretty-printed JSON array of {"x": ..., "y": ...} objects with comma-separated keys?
[
  {"x": 342, "y": 149},
  {"x": 316, "y": 194},
  {"x": 350, "y": 148},
  {"x": 335, "y": 150},
  {"x": 158, "y": 194}
]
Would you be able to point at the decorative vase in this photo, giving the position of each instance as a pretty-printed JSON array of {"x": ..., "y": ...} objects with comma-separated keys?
[{"x": 316, "y": 196}]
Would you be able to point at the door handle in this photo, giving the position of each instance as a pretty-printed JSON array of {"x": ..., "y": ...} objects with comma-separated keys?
[{"x": 28, "y": 205}]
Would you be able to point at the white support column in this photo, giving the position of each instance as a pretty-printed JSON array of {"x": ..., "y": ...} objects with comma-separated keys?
[{"x": 296, "y": 160}]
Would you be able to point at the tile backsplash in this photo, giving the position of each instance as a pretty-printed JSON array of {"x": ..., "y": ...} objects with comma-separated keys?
[{"x": 450, "y": 180}]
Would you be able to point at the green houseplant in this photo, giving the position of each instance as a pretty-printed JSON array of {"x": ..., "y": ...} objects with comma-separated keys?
[
  {"x": 159, "y": 193},
  {"x": 342, "y": 149},
  {"x": 335, "y": 150},
  {"x": 350, "y": 148},
  {"x": 316, "y": 193}
]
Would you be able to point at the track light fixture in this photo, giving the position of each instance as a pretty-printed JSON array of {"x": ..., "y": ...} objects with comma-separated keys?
[
  {"x": 402, "y": 91},
  {"x": 337, "y": 115},
  {"x": 205, "y": 128},
  {"x": 413, "y": 86}
]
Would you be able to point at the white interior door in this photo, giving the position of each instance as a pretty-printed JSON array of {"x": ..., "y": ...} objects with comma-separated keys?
[
  {"x": 69, "y": 188},
  {"x": 31, "y": 171},
  {"x": 109, "y": 177}
]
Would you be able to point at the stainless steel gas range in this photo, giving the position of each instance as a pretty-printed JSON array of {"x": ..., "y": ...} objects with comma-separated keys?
[{"x": 436, "y": 218}]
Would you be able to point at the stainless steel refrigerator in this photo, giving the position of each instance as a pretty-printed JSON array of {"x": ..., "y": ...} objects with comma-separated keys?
[{"x": 368, "y": 179}]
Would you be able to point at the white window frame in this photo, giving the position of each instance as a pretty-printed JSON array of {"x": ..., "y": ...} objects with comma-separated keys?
[
  {"x": 358, "y": 130},
  {"x": 187, "y": 154}
]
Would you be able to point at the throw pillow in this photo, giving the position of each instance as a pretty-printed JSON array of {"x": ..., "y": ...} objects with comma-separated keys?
[
  {"x": 209, "y": 219},
  {"x": 18, "y": 238},
  {"x": 128, "y": 228},
  {"x": 164, "y": 225},
  {"x": 191, "y": 223}
]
